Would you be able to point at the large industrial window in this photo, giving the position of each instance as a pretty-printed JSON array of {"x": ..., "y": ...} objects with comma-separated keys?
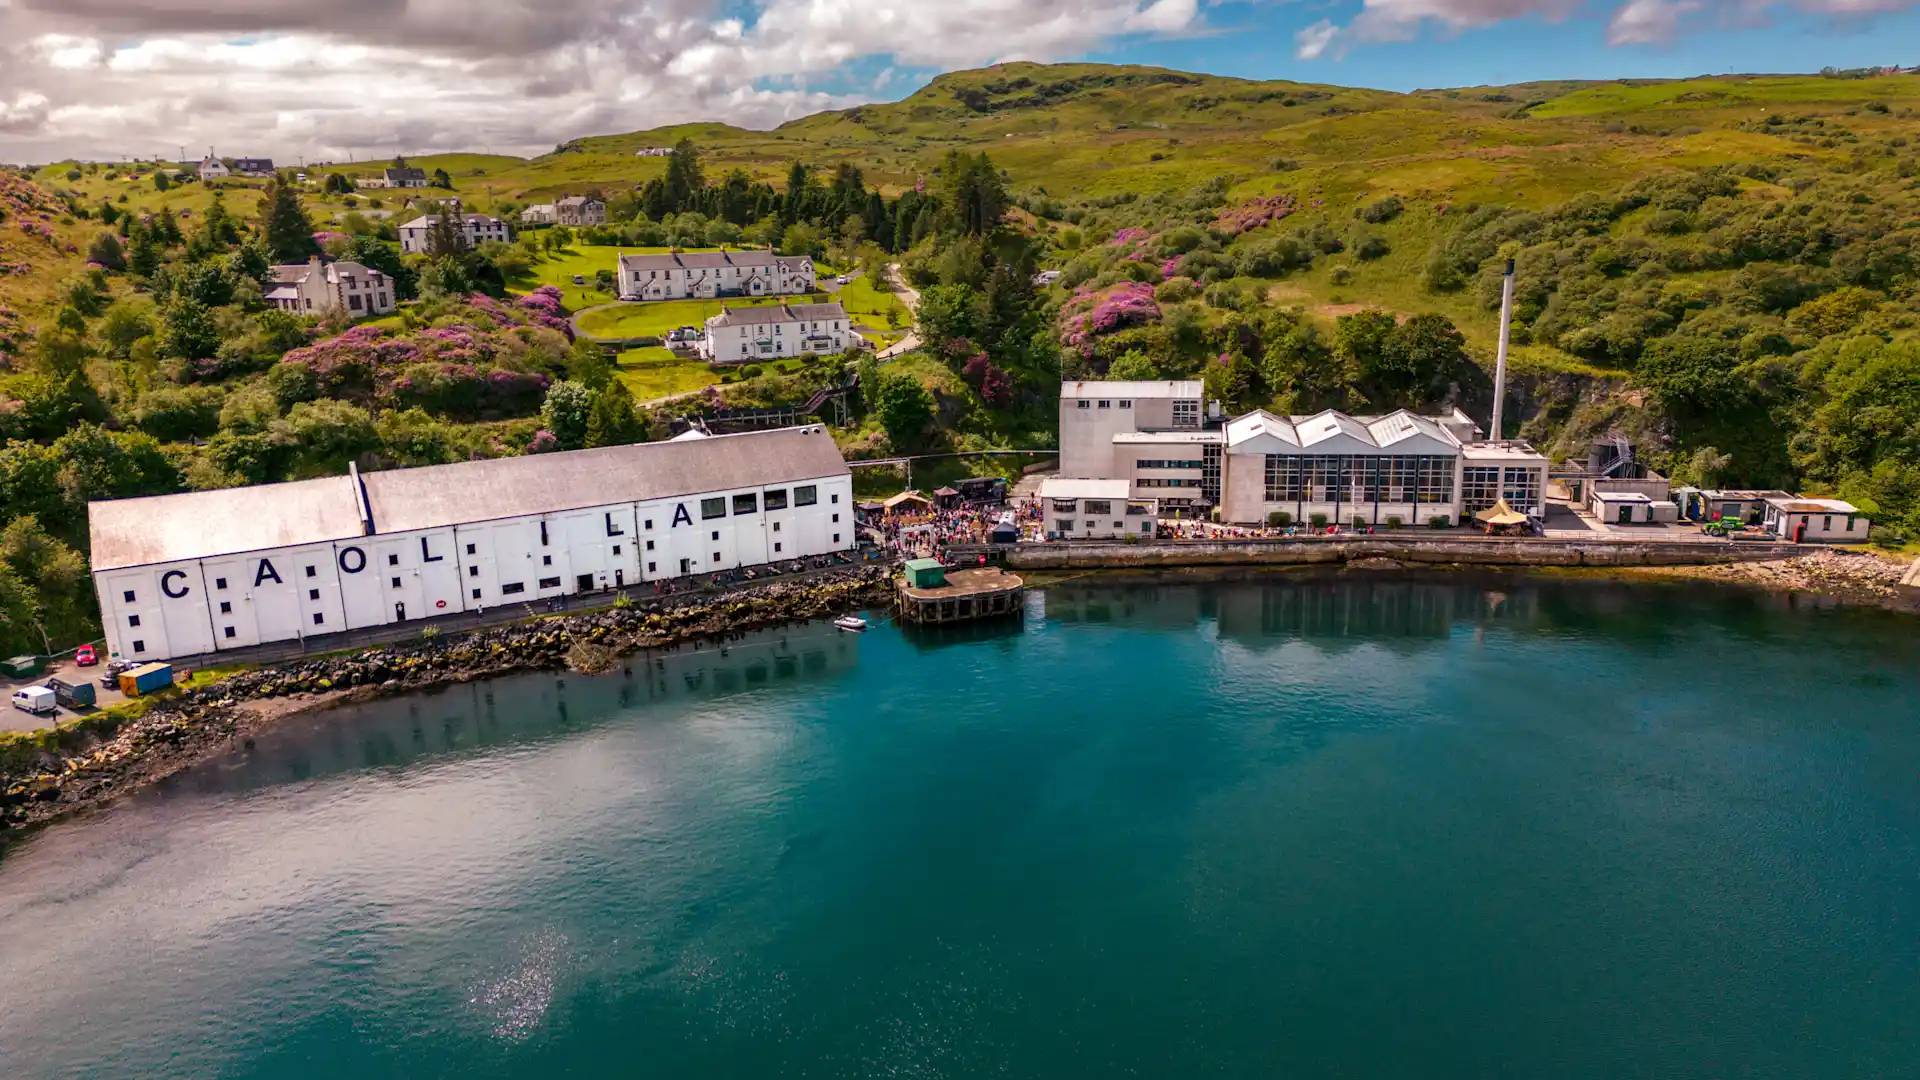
[
  {"x": 1436, "y": 479},
  {"x": 1522, "y": 489},
  {"x": 746, "y": 504},
  {"x": 549, "y": 582},
  {"x": 1186, "y": 414},
  {"x": 806, "y": 495},
  {"x": 1284, "y": 477},
  {"x": 777, "y": 500},
  {"x": 513, "y": 587},
  {"x": 1479, "y": 488},
  {"x": 715, "y": 507}
]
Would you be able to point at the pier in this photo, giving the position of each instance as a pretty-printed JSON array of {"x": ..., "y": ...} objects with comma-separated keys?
[{"x": 930, "y": 593}]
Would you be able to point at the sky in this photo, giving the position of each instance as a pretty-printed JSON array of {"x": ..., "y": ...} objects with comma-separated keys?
[{"x": 299, "y": 80}]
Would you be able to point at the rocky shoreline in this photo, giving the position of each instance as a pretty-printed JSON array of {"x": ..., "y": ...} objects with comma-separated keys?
[{"x": 205, "y": 722}]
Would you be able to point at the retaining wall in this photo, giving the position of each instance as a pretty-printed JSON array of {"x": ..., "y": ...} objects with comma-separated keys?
[{"x": 1481, "y": 551}]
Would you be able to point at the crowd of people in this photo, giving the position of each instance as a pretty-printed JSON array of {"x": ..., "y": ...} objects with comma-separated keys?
[{"x": 913, "y": 529}]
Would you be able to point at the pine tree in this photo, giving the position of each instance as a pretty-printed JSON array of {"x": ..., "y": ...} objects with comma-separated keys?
[
  {"x": 168, "y": 229},
  {"x": 684, "y": 182},
  {"x": 445, "y": 237},
  {"x": 613, "y": 421},
  {"x": 284, "y": 221},
  {"x": 143, "y": 255},
  {"x": 799, "y": 179}
]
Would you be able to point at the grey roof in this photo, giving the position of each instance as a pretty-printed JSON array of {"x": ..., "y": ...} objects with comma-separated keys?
[
  {"x": 407, "y": 173},
  {"x": 767, "y": 314},
  {"x": 205, "y": 524},
  {"x": 425, "y": 221},
  {"x": 703, "y": 260},
  {"x": 576, "y": 200}
]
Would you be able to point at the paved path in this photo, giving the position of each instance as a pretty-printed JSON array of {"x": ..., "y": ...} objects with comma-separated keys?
[{"x": 910, "y": 297}]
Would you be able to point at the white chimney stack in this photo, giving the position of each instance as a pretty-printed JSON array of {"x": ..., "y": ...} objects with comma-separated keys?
[{"x": 1500, "y": 357}]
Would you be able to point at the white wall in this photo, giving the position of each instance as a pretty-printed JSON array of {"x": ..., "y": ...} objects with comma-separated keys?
[
  {"x": 363, "y": 582},
  {"x": 1819, "y": 527}
]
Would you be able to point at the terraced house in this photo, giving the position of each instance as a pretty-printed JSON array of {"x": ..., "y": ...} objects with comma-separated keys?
[
  {"x": 713, "y": 275},
  {"x": 775, "y": 330}
]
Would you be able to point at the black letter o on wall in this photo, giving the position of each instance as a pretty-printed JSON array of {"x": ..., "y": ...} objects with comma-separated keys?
[
  {"x": 166, "y": 583},
  {"x": 362, "y": 565}
]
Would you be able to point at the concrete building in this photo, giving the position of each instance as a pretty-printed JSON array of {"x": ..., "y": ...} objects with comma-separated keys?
[
  {"x": 316, "y": 288},
  {"x": 1093, "y": 413},
  {"x": 580, "y": 210},
  {"x": 189, "y": 574},
  {"x": 1178, "y": 469},
  {"x": 1078, "y": 509},
  {"x": 476, "y": 228},
  {"x": 1745, "y": 506},
  {"x": 1631, "y": 508},
  {"x": 771, "y": 331},
  {"x": 712, "y": 275},
  {"x": 1801, "y": 519}
]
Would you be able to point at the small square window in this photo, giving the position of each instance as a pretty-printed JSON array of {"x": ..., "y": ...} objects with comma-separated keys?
[
  {"x": 836, "y": 519},
  {"x": 396, "y": 583},
  {"x": 836, "y": 538},
  {"x": 650, "y": 567},
  {"x": 649, "y": 545},
  {"x": 836, "y": 499},
  {"x": 318, "y": 619},
  {"x": 776, "y": 526},
  {"x": 139, "y": 646},
  {"x": 133, "y": 620},
  {"x": 469, "y": 549},
  {"x": 776, "y": 548},
  {"x": 546, "y": 560},
  {"x": 616, "y": 549},
  {"x": 473, "y": 571},
  {"x": 313, "y": 594},
  {"x": 649, "y": 525},
  {"x": 310, "y": 571},
  {"x": 716, "y": 534},
  {"x": 226, "y": 607},
  {"x": 219, "y": 583},
  {"x": 127, "y": 597},
  {"x": 476, "y": 594},
  {"x": 229, "y": 631},
  {"x": 716, "y": 557},
  {"x": 393, "y": 560}
]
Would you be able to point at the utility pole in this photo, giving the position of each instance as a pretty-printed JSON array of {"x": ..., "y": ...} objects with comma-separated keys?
[{"x": 1500, "y": 357}]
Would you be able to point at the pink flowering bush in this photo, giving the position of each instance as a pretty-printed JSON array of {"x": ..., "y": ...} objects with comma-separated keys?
[
  {"x": 1085, "y": 318},
  {"x": 542, "y": 307},
  {"x": 1171, "y": 267},
  {"x": 544, "y": 441},
  {"x": 1251, "y": 215}
]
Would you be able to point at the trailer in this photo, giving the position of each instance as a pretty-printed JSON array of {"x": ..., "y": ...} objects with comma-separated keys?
[
  {"x": 73, "y": 695},
  {"x": 145, "y": 679}
]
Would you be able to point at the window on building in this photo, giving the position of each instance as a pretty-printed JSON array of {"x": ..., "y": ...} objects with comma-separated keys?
[
  {"x": 473, "y": 571},
  {"x": 649, "y": 545},
  {"x": 228, "y": 631},
  {"x": 476, "y": 594},
  {"x": 649, "y": 525},
  {"x": 139, "y": 646},
  {"x": 836, "y": 519},
  {"x": 746, "y": 504},
  {"x": 1186, "y": 414},
  {"x": 1106, "y": 404},
  {"x": 319, "y": 619},
  {"x": 511, "y": 588},
  {"x": 715, "y": 507},
  {"x": 133, "y": 620},
  {"x": 836, "y": 538},
  {"x": 716, "y": 558},
  {"x": 1063, "y": 525},
  {"x": 546, "y": 560},
  {"x": 219, "y": 583},
  {"x": 313, "y": 594},
  {"x": 1083, "y": 404},
  {"x": 1826, "y": 523},
  {"x": 1098, "y": 507},
  {"x": 226, "y": 607},
  {"x": 549, "y": 582},
  {"x": 1479, "y": 488},
  {"x": 806, "y": 495},
  {"x": 126, "y": 597},
  {"x": 686, "y": 565},
  {"x": 616, "y": 549},
  {"x": 1522, "y": 488},
  {"x": 1125, "y": 404},
  {"x": 311, "y": 571},
  {"x": 776, "y": 547},
  {"x": 777, "y": 499},
  {"x": 1286, "y": 478},
  {"x": 716, "y": 534},
  {"x": 393, "y": 560},
  {"x": 394, "y": 583},
  {"x": 469, "y": 549},
  {"x": 834, "y": 498},
  {"x": 776, "y": 526},
  {"x": 650, "y": 567}
]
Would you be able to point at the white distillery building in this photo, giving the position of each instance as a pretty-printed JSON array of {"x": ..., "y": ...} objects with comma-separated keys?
[
  {"x": 710, "y": 275},
  {"x": 476, "y": 228},
  {"x": 1094, "y": 509},
  {"x": 770, "y": 331},
  {"x": 1093, "y": 413},
  {"x": 196, "y": 573}
]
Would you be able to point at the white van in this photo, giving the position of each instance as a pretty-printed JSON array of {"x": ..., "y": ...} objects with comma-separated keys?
[{"x": 35, "y": 699}]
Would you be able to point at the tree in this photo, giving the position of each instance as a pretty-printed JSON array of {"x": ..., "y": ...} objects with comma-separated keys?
[
  {"x": 565, "y": 413},
  {"x": 1422, "y": 357},
  {"x": 187, "y": 330},
  {"x": 975, "y": 193},
  {"x": 587, "y": 364},
  {"x": 446, "y": 236},
  {"x": 442, "y": 180},
  {"x": 905, "y": 409},
  {"x": 376, "y": 254},
  {"x": 160, "y": 181},
  {"x": 1692, "y": 374},
  {"x": 338, "y": 184},
  {"x": 284, "y": 222},
  {"x": 143, "y": 254},
  {"x": 801, "y": 239},
  {"x": 603, "y": 280},
  {"x": 166, "y": 229},
  {"x": 612, "y": 420},
  {"x": 799, "y": 180},
  {"x": 106, "y": 251},
  {"x": 1233, "y": 380},
  {"x": 125, "y": 323},
  {"x": 683, "y": 180},
  {"x": 1132, "y": 366}
]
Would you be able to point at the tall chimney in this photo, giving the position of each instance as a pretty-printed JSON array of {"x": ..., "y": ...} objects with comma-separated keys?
[{"x": 1500, "y": 357}]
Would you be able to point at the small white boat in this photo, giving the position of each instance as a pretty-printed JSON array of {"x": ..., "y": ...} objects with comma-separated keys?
[{"x": 850, "y": 622}]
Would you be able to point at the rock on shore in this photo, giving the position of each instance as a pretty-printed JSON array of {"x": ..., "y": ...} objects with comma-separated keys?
[
  {"x": 1849, "y": 574},
  {"x": 207, "y": 721}
]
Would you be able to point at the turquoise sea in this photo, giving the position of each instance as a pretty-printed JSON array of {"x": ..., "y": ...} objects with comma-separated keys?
[{"x": 1451, "y": 828}]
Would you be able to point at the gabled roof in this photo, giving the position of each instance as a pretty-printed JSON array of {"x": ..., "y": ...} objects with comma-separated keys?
[
  {"x": 1331, "y": 424},
  {"x": 707, "y": 260},
  {"x": 1330, "y": 430},
  {"x": 767, "y": 314},
  {"x": 425, "y": 221}
]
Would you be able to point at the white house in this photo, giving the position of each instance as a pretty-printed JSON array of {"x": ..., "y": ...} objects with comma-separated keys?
[
  {"x": 1798, "y": 518},
  {"x": 196, "y": 573},
  {"x": 316, "y": 288},
  {"x": 770, "y": 331},
  {"x": 254, "y": 167},
  {"x": 539, "y": 214},
  {"x": 476, "y": 228},
  {"x": 1079, "y": 509},
  {"x": 710, "y": 275},
  {"x": 580, "y": 210},
  {"x": 405, "y": 177},
  {"x": 212, "y": 168}
]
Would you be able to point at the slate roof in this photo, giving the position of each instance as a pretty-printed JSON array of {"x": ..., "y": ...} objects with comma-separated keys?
[{"x": 768, "y": 314}]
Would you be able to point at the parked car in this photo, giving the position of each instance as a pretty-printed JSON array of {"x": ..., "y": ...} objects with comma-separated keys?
[
  {"x": 579, "y": 279},
  {"x": 84, "y": 656},
  {"x": 842, "y": 280}
]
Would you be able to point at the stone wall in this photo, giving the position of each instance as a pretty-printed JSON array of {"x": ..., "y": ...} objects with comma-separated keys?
[{"x": 1481, "y": 551}]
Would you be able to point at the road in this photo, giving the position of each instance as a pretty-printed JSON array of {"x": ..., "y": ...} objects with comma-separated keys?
[{"x": 910, "y": 297}]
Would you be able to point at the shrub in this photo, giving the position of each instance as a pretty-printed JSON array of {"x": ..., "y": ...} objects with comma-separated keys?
[
  {"x": 1340, "y": 275},
  {"x": 1279, "y": 519},
  {"x": 751, "y": 371},
  {"x": 1372, "y": 247},
  {"x": 1359, "y": 523},
  {"x": 1438, "y": 521},
  {"x": 1318, "y": 521},
  {"x": 1384, "y": 210},
  {"x": 1393, "y": 521},
  {"x": 1175, "y": 289},
  {"x": 1215, "y": 515}
]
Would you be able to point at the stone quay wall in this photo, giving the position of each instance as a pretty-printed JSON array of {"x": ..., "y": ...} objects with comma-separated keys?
[{"x": 1409, "y": 550}]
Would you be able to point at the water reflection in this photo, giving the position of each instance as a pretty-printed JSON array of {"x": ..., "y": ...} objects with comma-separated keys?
[{"x": 521, "y": 708}]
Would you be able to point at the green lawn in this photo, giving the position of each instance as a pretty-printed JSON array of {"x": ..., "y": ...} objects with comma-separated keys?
[
  {"x": 656, "y": 373},
  {"x": 655, "y": 317},
  {"x": 558, "y": 269},
  {"x": 869, "y": 305}
]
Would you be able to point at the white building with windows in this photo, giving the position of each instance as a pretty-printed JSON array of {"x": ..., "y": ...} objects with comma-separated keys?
[
  {"x": 477, "y": 228},
  {"x": 539, "y": 214},
  {"x": 1804, "y": 520},
  {"x": 771, "y": 331},
  {"x": 212, "y": 168},
  {"x": 200, "y": 572},
  {"x": 317, "y": 288},
  {"x": 1092, "y": 414},
  {"x": 580, "y": 210},
  {"x": 712, "y": 275},
  {"x": 1077, "y": 509}
]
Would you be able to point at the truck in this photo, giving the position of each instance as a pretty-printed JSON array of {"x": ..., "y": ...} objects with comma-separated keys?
[
  {"x": 73, "y": 695},
  {"x": 145, "y": 679}
]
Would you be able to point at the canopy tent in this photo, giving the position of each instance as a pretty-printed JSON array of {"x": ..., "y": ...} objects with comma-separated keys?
[
  {"x": 1500, "y": 514},
  {"x": 909, "y": 499}
]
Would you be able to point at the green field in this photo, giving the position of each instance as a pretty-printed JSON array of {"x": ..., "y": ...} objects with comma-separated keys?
[
  {"x": 655, "y": 318},
  {"x": 656, "y": 372},
  {"x": 558, "y": 269}
]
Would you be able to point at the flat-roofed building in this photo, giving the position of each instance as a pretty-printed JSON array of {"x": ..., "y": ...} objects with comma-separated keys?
[
  {"x": 1810, "y": 520},
  {"x": 196, "y": 573},
  {"x": 1179, "y": 469},
  {"x": 1092, "y": 413},
  {"x": 1077, "y": 509}
]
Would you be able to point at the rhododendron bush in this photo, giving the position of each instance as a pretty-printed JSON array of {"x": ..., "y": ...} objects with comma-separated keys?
[{"x": 1092, "y": 314}]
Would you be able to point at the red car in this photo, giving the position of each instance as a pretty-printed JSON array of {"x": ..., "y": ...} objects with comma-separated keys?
[{"x": 85, "y": 657}]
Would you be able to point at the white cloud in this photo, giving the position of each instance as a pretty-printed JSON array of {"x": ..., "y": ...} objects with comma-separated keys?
[
  {"x": 1310, "y": 41},
  {"x": 292, "y": 78},
  {"x": 1646, "y": 22}
]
